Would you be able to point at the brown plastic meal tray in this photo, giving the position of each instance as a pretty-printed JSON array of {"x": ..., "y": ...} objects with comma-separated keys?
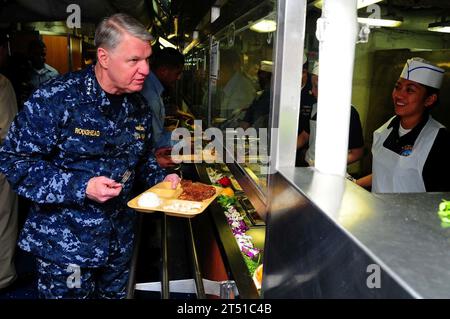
[{"x": 169, "y": 197}]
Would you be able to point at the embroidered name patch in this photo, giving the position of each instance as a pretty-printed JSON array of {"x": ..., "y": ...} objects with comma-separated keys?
[{"x": 86, "y": 132}]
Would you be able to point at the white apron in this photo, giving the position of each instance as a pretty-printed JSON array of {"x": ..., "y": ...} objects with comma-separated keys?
[
  {"x": 393, "y": 173},
  {"x": 310, "y": 155}
]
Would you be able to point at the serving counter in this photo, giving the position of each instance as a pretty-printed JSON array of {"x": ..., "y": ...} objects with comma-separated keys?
[
  {"x": 329, "y": 238},
  {"x": 325, "y": 238},
  {"x": 216, "y": 252}
]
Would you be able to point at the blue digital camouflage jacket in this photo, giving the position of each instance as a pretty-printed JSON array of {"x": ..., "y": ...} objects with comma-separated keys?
[{"x": 67, "y": 133}]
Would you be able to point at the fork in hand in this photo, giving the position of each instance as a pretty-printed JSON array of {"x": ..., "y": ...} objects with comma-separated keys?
[{"x": 179, "y": 170}]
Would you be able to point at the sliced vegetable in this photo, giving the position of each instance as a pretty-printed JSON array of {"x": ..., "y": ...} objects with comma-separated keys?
[{"x": 444, "y": 213}]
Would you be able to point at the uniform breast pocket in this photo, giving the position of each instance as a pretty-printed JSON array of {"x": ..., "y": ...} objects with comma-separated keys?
[
  {"x": 85, "y": 143},
  {"x": 131, "y": 148}
]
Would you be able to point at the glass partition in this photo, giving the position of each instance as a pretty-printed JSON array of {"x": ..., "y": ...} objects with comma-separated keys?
[
  {"x": 195, "y": 82},
  {"x": 227, "y": 84},
  {"x": 241, "y": 95}
]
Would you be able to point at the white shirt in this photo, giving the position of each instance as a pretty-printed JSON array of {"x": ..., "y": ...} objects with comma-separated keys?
[{"x": 238, "y": 93}]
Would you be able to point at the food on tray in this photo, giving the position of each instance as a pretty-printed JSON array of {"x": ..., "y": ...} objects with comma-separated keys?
[
  {"x": 162, "y": 198},
  {"x": 149, "y": 199},
  {"x": 196, "y": 191},
  {"x": 185, "y": 207}
]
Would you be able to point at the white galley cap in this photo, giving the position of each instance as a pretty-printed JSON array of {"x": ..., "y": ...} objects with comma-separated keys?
[{"x": 423, "y": 72}]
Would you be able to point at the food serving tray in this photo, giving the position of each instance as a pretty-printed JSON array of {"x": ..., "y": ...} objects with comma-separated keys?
[{"x": 169, "y": 199}]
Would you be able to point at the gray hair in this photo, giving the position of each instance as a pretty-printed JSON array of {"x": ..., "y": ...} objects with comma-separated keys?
[{"x": 109, "y": 32}]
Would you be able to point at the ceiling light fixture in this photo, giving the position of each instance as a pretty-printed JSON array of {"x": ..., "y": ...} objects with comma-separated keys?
[
  {"x": 264, "y": 26},
  {"x": 215, "y": 13},
  {"x": 166, "y": 43},
  {"x": 443, "y": 26},
  {"x": 361, "y": 3},
  {"x": 366, "y": 3},
  {"x": 390, "y": 23}
]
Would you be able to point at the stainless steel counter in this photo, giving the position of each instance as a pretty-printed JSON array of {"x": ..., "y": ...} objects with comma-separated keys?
[{"x": 399, "y": 232}]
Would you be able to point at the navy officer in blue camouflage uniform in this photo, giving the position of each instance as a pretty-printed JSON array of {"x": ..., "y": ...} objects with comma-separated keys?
[{"x": 68, "y": 151}]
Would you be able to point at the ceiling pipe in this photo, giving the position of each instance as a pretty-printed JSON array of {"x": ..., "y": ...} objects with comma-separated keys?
[{"x": 175, "y": 25}]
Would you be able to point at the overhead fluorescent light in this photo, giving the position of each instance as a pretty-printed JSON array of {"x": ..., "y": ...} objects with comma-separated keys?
[
  {"x": 361, "y": 3},
  {"x": 264, "y": 25},
  {"x": 366, "y": 3},
  {"x": 166, "y": 43},
  {"x": 215, "y": 13},
  {"x": 420, "y": 50},
  {"x": 440, "y": 27},
  {"x": 381, "y": 22}
]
